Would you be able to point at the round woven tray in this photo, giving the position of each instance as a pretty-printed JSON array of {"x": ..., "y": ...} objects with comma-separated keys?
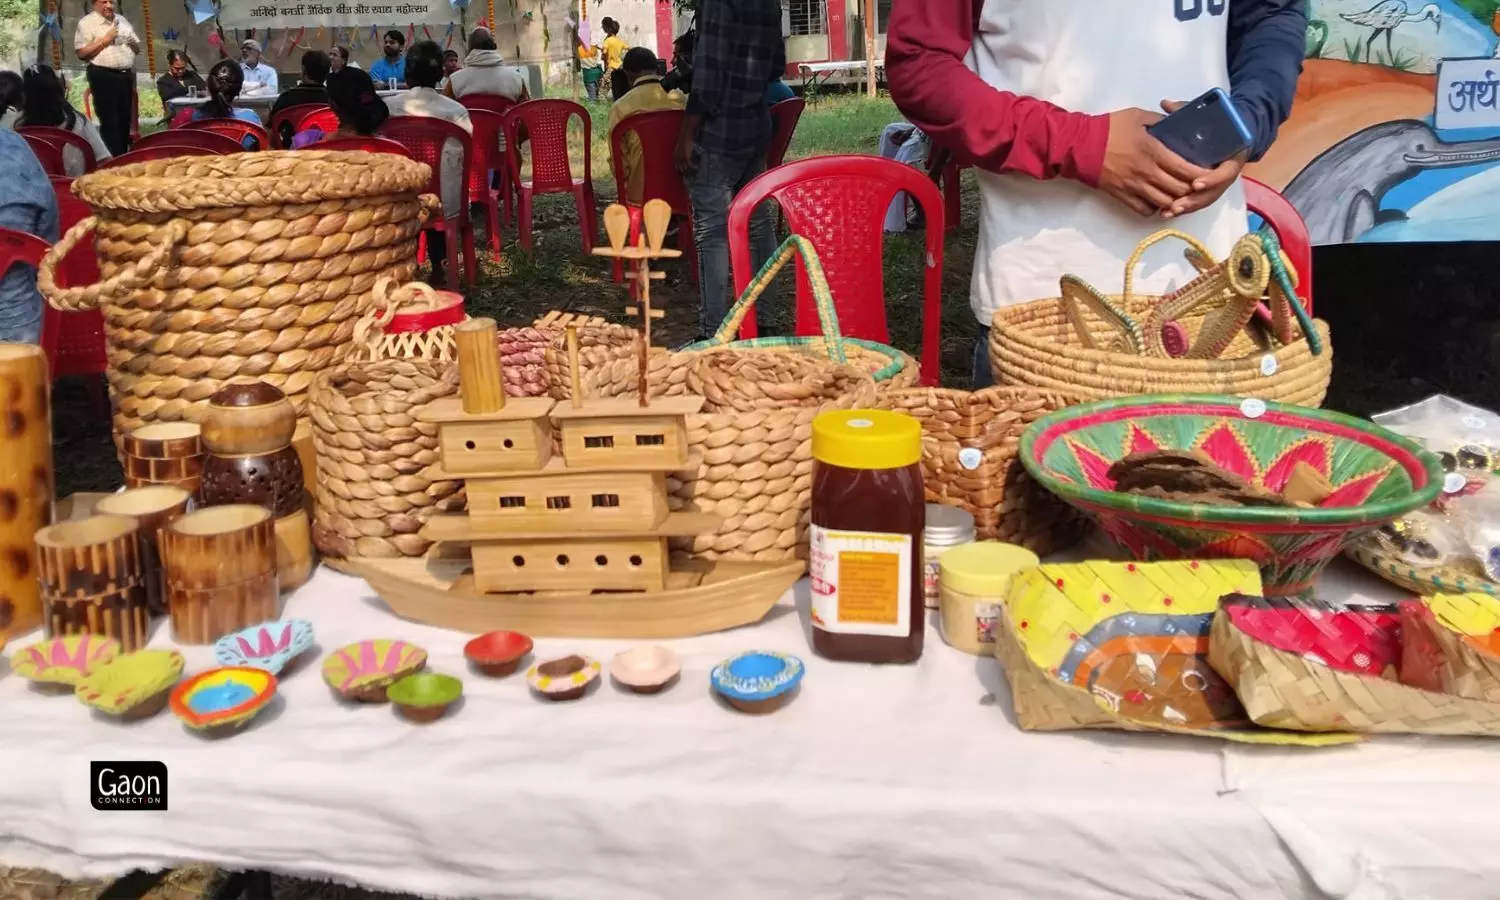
[{"x": 1424, "y": 581}]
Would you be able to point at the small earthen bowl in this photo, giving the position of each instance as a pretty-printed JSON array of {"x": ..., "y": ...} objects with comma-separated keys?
[
  {"x": 564, "y": 678},
  {"x": 497, "y": 653},
  {"x": 425, "y": 697},
  {"x": 645, "y": 669},
  {"x": 58, "y": 664},
  {"x": 364, "y": 670},
  {"x": 757, "y": 682},
  {"x": 134, "y": 686}
]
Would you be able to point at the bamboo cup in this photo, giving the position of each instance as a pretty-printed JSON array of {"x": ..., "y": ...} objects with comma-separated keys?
[
  {"x": 93, "y": 580},
  {"x": 26, "y": 492},
  {"x": 169, "y": 453},
  {"x": 220, "y": 571},
  {"x": 154, "y": 506}
]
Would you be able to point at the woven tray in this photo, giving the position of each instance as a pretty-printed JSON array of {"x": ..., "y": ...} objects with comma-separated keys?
[{"x": 1426, "y": 581}]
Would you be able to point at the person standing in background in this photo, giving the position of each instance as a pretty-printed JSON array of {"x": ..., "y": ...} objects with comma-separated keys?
[
  {"x": 109, "y": 45},
  {"x": 591, "y": 67},
  {"x": 390, "y": 70},
  {"x": 614, "y": 47},
  {"x": 725, "y": 135},
  {"x": 27, "y": 204},
  {"x": 258, "y": 77}
]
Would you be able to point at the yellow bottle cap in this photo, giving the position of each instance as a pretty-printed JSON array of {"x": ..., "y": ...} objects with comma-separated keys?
[
  {"x": 866, "y": 439},
  {"x": 983, "y": 569}
]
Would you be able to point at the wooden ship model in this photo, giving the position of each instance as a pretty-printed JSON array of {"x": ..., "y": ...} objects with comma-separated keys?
[{"x": 567, "y": 527}]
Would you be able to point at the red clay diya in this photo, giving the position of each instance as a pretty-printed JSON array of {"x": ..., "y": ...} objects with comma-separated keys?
[{"x": 497, "y": 653}]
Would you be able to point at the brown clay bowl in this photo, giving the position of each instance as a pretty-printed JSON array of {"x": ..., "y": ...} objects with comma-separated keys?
[
  {"x": 564, "y": 678},
  {"x": 498, "y": 653}
]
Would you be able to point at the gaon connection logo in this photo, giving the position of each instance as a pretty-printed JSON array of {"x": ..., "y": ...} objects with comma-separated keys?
[{"x": 134, "y": 785}]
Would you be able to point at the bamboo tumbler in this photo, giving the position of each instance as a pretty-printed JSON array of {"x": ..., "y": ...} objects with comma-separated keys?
[
  {"x": 153, "y": 506},
  {"x": 169, "y": 453},
  {"x": 220, "y": 571},
  {"x": 481, "y": 385},
  {"x": 93, "y": 580},
  {"x": 25, "y": 481}
]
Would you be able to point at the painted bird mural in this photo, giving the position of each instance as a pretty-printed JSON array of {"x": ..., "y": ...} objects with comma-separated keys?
[{"x": 1388, "y": 15}]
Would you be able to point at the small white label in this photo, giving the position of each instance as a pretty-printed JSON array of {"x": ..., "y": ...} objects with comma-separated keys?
[
  {"x": 985, "y": 616},
  {"x": 1473, "y": 423},
  {"x": 1453, "y": 482},
  {"x": 861, "y": 582},
  {"x": 860, "y": 423},
  {"x": 1253, "y": 408},
  {"x": 1268, "y": 365},
  {"x": 970, "y": 457}
]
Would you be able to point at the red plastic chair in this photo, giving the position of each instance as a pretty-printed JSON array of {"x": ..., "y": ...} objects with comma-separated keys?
[
  {"x": 291, "y": 117},
  {"x": 77, "y": 337},
  {"x": 1282, "y": 216},
  {"x": 784, "y": 116},
  {"x": 155, "y": 151},
  {"x": 496, "y": 104},
  {"x": 945, "y": 172},
  {"x": 545, "y": 124},
  {"x": 48, "y": 154},
  {"x": 64, "y": 138},
  {"x": 191, "y": 137},
  {"x": 424, "y": 138},
  {"x": 489, "y": 127},
  {"x": 237, "y": 129},
  {"x": 17, "y": 248},
  {"x": 323, "y": 118},
  {"x": 657, "y": 133},
  {"x": 367, "y": 144},
  {"x": 838, "y": 203}
]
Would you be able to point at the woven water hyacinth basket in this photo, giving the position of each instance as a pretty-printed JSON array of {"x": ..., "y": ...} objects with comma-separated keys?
[
  {"x": 252, "y": 265},
  {"x": 373, "y": 493},
  {"x": 754, "y": 436},
  {"x": 969, "y": 444}
]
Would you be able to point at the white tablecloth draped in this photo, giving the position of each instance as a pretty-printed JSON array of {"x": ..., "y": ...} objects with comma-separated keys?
[{"x": 875, "y": 782}]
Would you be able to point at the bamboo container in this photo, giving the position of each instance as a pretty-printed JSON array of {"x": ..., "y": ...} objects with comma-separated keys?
[
  {"x": 154, "y": 506},
  {"x": 26, "y": 492},
  {"x": 93, "y": 580},
  {"x": 481, "y": 385},
  {"x": 220, "y": 571},
  {"x": 167, "y": 453}
]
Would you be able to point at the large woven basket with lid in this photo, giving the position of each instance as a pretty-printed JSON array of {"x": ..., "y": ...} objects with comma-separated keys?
[{"x": 256, "y": 264}]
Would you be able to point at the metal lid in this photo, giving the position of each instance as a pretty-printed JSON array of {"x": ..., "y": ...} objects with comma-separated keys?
[{"x": 947, "y": 525}]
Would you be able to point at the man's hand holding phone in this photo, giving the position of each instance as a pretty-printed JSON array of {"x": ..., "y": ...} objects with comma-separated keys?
[
  {"x": 1207, "y": 188},
  {"x": 1141, "y": 172}
]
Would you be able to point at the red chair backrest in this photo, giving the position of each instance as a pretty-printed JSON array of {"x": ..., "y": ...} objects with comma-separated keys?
[
  {"x": 291, "y": 117},
  {"x": 64, "y": 138},
  {"x": 657, "y": 133},
  {"x": 839, "y": 203},
  {"x": 48, "y": 154},
  {"x": 81, "y": 265},
  {"x": 238, "y": 129},
  {"x": 488, "y": 128},
  {"x": 74, "y": 341},
  {"x": 17, "y": 248},
  {"x": 367, "y": 144},
  {"x": 545, "y": 124},
  {"x": 191, "y": 137},
  {"x": 492, "y": 102},
  {"x": 424, "y": 138},
  {"x": 1282, "y": 216},
  {"x": 323, "y": 118},
  {"x": 784, "y": 117},
  {"x": 155, "y": 151}
]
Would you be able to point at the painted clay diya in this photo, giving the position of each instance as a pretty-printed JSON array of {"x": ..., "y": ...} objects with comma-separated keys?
[
  {"x": 645, "y": 669},
  {"x": 270, "y": 645},
  {"x": 223, "y": 699},
  {"x": 64, "y": 661},
  {"x": 757, "y": 682},
  {"x": 426, "y": 696},
  {"x": 134, "y": 686},
  {"x": 497, "y": 653},
  {"x": 564, "y": 678},
  {"x": 362, "y": 671}
]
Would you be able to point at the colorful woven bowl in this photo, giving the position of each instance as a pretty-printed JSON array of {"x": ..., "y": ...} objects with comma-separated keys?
[
  {"x": 133, "y": 686},
  {"x": 64, "y": 660},
  {"x": 757, "y": 682},
  {"x": 269, "y": 645},
  {"x": 364, "y": 670},
  {"x": 223, "y": 698},
  {"x": 1377, "y": 476}
]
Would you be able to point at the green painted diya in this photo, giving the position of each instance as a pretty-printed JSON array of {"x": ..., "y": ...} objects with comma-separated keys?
[{"x": 1377, "y": 476}]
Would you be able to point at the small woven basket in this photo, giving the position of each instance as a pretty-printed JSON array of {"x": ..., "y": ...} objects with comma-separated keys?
[
  {"x": 410, "y": 322},
  {"x": 373, "y": 493},
  {"x": 1038, "y": 344},
  {"x": 254, "y": 264},
  {"x": 1426, "y": 581},
  {"x": 969, "y": 444}
]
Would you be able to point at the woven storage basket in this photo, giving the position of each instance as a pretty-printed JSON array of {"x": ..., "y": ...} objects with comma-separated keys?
[
  {"x": 1037, "y": 344},
  {"x": 754, "y": 436},
  {"x": 256, "y": 264},
  {"x": 373, "y": 493},
  {"x": 600, "y": 343},
  {"x": 969, "y": 443}
]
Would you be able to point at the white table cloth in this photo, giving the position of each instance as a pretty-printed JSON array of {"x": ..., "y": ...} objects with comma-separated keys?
[{"x": 901, "y": 782}]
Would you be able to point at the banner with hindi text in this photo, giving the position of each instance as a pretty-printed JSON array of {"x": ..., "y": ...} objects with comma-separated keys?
[{"x": 262, "y": 14}]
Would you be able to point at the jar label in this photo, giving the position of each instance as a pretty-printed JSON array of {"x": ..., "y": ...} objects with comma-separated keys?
[
  {"x": 931, "y": 574},
  {"x": 861, "y": 582},
  {"x": 985, "y": 616}
]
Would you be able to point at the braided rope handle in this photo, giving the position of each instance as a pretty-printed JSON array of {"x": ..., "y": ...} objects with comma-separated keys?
[
  {"x": 129, "y": 278},
  {"x": 370, "y": 329},
  {"x": 828, "y": 317},
  {"x": 1147, "y": 244}
]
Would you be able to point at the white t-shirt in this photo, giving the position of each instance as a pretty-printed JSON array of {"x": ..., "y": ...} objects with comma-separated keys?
[
  {"x": 118, "y": 55},
  {"x": 1095, "y": 58},
  {"x": 260, "y": 79}
]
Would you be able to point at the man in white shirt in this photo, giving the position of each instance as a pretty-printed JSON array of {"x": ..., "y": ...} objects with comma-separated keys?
[
  {"x": 109, "y": 45},
  {"x": 260, "y": 79}
]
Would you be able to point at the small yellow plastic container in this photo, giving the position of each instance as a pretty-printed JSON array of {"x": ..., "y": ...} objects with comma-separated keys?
[{"x": 973, "y": 580}]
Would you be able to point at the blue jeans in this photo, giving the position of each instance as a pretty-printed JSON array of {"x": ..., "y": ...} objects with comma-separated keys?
[
  {"x": 712, "y": 188},
  {"x": 983, "y": 376}
]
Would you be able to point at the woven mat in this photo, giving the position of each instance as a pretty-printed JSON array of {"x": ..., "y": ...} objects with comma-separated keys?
[{"x": 187, "y": 883}]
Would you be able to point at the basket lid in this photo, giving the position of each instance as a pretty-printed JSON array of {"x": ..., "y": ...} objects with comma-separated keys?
[{"x": 422, "y": 313}]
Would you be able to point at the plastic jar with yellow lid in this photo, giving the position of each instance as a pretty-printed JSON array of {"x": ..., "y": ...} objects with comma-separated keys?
[{"x": 973, "y": 580}]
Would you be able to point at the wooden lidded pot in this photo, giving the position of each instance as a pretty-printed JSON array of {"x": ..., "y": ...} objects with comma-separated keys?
[{"x": 247, "y": 434}]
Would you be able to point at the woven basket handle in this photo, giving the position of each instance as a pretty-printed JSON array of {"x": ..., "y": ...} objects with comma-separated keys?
[
  {"x": 828, "y": 317},
  {"x": 388, "y": 300},
  {"x": 1147, "y": 244},
  {"x": 129, "y": 278}
]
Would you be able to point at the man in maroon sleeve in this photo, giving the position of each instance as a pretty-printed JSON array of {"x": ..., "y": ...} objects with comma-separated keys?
[{"x": 1050, "y": 100}]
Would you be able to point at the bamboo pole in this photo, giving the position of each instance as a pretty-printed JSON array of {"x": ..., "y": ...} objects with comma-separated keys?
[
  {"x": 573, "y": 372},
  {"x": 480, "y": 383},
  {"x": 871, "y": 11},
  {"x": 26, "y": 486}
]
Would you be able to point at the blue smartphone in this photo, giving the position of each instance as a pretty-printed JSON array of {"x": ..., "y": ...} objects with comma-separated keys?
[{"x": 1205, "y": 132}]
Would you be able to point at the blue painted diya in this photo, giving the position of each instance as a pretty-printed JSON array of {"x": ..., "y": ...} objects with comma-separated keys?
[
  {"x": 223, "y": 698},
  {"x": 758, "y": 681}
]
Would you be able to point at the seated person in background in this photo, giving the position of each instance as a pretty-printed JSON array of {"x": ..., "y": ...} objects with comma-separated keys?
[
  {"x": 310, "y": 89},
  {"x": 46, "y": 103},
  {"x": 777, "y": 91},
  {"x": 259, "y": 78},
  {"x": 11, "y": 93},
  {"x": 339, "y": 57},
  {"x": 451, "y": 63},
  {"x": 484, "y": 72},
  {"x": 351, "y": 93},
  {"x": 225, "y": 80},
  {"x": 390, "y": 70},
  {"x": 27, "y": 204},
  {"x": 645, "y": 95},
  {"x": 177, "y": 82}
]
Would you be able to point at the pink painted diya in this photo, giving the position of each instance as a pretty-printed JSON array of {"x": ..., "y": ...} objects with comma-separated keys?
[
  {"x": 64, "y": 661},
  {"x": 362, "y": 671},
  {"x": 269, "y": 645}
]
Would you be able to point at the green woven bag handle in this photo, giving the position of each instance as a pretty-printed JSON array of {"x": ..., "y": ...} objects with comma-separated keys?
[{"x": 828, "y": 318}]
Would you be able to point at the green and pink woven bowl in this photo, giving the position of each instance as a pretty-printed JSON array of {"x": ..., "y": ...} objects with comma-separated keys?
[{"x": 1377, "y": 477}]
